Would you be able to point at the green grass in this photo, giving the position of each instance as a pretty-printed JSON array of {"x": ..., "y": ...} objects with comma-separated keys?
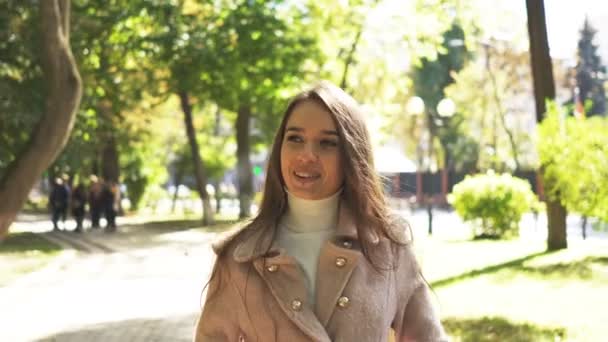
[
  {"x": 492, "y": 329},
  {"x": 21, "y": 253},
  {"x": 535, "y": 296}
]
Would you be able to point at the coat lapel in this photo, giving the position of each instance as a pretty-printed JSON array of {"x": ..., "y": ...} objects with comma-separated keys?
[
  {"x": 287, "y": 285},
  {"x": 336, "y": 265},
  {"x": 286, "y": 282},
  {"x": 338, "y": 258},
  {"x": 284, "y": 279}
]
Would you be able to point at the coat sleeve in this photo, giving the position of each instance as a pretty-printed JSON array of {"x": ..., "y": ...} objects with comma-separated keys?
[
  {"x": 416, "y": 318},
  {"x": 217, "y": 322}
]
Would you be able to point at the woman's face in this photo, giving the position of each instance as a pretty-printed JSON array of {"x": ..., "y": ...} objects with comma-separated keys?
[{"x": 311, "y": 163}]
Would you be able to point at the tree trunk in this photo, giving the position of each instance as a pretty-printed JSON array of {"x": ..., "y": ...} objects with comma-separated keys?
[
  {"x": 218, "y": 197},
  {"x": 556, "y": 216},
  {"x": 64, "y": 90},
  {"x": 216, "y": 184},
  {"x": 542, "y": 70},
  {"x": 109, "y": 160},
  {"x": 350, "y": 58},
  {"x": 429, "y": 213},
  {"x": 110, "y": 166},
  {"x": 177, "y": 182},
  {"x": 544, "y": 88},
  {"x": 199, "y": 168},
  {"x": 584, "y": 227},
  {"x": 243, "y": 162},
  {"x": 501, "y": 114}
]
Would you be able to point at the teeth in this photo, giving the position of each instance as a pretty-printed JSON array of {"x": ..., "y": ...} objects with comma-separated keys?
[{"x": 304, "y": 175}]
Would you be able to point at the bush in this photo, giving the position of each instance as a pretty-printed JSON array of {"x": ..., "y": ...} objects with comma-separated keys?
[{"x": 494, "y": 203}]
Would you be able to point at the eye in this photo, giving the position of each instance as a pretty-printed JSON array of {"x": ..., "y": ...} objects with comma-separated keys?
[
  {"x": 329, "y": 143},
  {"x": 294, "y": 138}
]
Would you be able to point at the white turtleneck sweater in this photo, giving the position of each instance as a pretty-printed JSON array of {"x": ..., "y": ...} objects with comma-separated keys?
[{"x": 303, "y": 230}]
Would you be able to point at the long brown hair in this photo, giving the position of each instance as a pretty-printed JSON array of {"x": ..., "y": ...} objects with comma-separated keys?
[{"x": 362, "y": 190}]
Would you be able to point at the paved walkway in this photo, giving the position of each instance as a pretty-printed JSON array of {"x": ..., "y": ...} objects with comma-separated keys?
[{"x": 134, "y": 285}]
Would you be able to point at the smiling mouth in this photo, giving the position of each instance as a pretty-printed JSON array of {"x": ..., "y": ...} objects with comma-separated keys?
[{"x": 306, "y": 176}]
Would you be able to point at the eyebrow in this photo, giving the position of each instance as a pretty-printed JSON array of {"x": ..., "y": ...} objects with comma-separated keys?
[{"x": 300, "y": 129}]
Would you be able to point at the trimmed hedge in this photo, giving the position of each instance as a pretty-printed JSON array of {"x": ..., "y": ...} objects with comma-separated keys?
[{"x": 494, "y": 203}]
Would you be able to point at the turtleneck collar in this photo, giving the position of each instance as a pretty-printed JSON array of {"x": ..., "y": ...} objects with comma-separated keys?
[{"x": 305, "y": 216}]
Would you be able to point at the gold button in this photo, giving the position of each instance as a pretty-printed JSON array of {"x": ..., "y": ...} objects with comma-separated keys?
[
  {"x": 343, "y": 301},
  {"x": 347, "y": 244},
  {"x": 296, "y": 305},
  {"x": 340, "y": 262},
  {"x": 272, "y": 268}
]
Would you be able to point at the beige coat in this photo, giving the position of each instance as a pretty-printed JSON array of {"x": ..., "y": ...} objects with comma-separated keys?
[{"x": 257, "y": 297}]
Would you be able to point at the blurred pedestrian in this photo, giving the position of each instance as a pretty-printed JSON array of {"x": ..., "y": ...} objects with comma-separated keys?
[
  {"x": 110, "y": 197},
  {"x": 95, "y": 201},
  {"x": 78, "y": 202},
  {"x": 58, "y": 202}
]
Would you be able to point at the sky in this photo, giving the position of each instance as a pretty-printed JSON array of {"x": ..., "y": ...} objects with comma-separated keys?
[
  {"x": 507, "y": 19},
  {"x": 565, "y": 19}
]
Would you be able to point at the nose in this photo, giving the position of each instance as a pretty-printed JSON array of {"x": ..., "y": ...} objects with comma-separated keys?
[{"x": 308, "y": 154}]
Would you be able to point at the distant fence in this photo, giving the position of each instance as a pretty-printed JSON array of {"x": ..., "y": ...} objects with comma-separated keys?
[{"x": 414, "y": 185}]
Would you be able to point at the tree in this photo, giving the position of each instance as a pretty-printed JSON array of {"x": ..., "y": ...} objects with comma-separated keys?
[
  {"x": 544, "y": 89},
  {"x": 242, "y": 77},
  {"x": 181, "y": 35},
  {"x": 217, "y": 150},
  {"x": 21, "y": 86},
  {"x": 116, "y": 65},
  {"x": 105, "y": 42},
  {"x": 64, "y": 89},
  {"x": 488, "y": 93},
  {"x": 590, "y": 73},
  {"x": 432, "y": 77},
  {"x": 581, "y": 144}
]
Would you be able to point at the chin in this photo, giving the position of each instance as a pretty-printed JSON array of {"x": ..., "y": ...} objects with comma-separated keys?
[{"x": 302, "y": 193}]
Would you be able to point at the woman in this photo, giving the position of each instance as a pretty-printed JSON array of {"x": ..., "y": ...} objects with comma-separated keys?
[{"x": 324, "y": 260}]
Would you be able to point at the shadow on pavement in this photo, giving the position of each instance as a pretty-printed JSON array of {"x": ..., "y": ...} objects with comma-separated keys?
[
  {"x": 581, "y": 269},
  {"x": 175, "y": 225},
  {"x": 179, "y": 328},
  {"x": 487, "y": 270}
]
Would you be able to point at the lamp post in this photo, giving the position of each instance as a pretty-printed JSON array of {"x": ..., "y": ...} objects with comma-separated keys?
[
  {"x": 446, "y": 109},
  {"x": 415, "y": 107}
]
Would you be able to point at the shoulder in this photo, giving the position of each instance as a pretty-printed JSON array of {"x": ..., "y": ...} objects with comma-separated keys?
[
  {"x": 400, "y": 241},
  {"x": 229, "y": 238},
  {"x": 398, "y": 229}
]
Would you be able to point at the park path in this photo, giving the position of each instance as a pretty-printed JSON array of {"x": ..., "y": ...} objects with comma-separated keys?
[{"x": 138, "y": 284}]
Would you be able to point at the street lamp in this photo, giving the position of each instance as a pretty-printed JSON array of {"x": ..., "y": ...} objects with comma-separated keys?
[
  {"x": 446, "y": 109},
  {"x": 415, "y": 105}
]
